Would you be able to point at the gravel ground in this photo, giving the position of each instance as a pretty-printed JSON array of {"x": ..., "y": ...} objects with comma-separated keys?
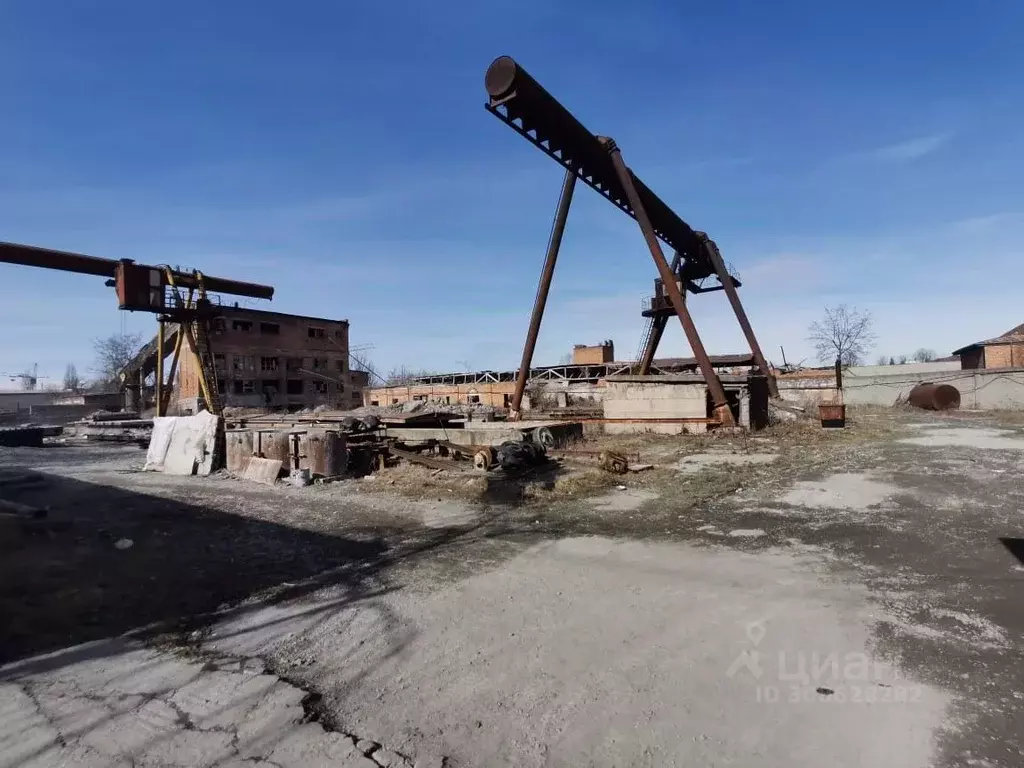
[{"x": 854, "y": 600}]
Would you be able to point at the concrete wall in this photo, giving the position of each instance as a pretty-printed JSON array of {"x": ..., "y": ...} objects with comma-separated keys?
[
  {"x": 634, "y": 400},
  {"x": 979, "y": 389},
  {"x": 12, "y": 401}
]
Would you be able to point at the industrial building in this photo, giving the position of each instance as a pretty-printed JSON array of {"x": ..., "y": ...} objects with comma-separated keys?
[
  {"x": 274, "y": 360},
  {"x": 580, "y": 383}
]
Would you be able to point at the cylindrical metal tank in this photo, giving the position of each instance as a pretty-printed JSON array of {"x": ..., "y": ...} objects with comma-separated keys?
[
  {"x": 238, "y": 446},
  {"x": 325, "y": 453},
  {"x": 934, "y": 397}
]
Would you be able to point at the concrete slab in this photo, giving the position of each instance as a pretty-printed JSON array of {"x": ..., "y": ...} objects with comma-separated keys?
[
  {"x": 263, "y": 471},
  {"x": 183, "y": 445}
]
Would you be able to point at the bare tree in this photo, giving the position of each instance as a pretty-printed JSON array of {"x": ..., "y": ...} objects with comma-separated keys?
[
  {"x": 71, "y": 380},
  {"x": 844, "y": 332},
  {"x": 901, "y": 360},
  {"x": 405, "y": 375},
  {"x": 112, "y": 355},
  {"x": 883, "y": 360},
  {"x": 924, "y": 355}
]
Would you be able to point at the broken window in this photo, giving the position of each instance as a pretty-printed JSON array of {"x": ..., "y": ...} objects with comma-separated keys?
[
  {"x": 316, "y": 333},
  {"x": 220, "y": 363},
  {"x": 320, "y": 387},
  {"x": 319, "y": 364},
  {"x": 222, "y": 386},
  {"x": 375, "y": 403},
  {"x": 237, "y": 389},
  {"x": 244, "y": 386},
  {"x": 270, "y": 329},
  {"x": 268, "y": 387},
  {"x": 474, "y": 398},
  {"x": 243, "y": 363},
  {"x": 219, "y": 325},
  {"x": 340, "y": 365},
  {"x": 419, "y": 397},
  {"x": 241, "y": 325},
  {"x": 294, "y": 386},
  {"x": 268, "y": 363},
  {"x": 293, "y": 363}
]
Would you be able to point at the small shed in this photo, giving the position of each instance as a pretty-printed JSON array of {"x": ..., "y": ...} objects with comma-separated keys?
[{"x": 1006, "y": 351}]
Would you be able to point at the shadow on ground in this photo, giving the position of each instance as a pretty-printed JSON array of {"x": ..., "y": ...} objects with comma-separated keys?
[{"x": 107, "y": 560}]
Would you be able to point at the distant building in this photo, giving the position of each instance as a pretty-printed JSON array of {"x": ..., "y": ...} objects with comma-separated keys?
[
  {"x": 598, "y": 354},
  {"x": 1006, "y": 351},
  {"x": 274, "y": 360}
]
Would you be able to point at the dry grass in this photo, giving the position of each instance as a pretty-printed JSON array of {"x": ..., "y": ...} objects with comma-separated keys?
[
  {"x": 1006, "y": 417},
  {"x": 801, "y": 444}
]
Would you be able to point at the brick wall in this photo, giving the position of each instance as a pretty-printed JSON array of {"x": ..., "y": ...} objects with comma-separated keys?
[
  {"x": 596, "y": 355},
  {"x": 496, "y": 394},
  {"x": 274, "y": 360},
  {"x": 1004, "y": 355}
]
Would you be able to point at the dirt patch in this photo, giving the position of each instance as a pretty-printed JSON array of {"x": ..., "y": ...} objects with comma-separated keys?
[
  {"x": 697, "y": 462},
  {"x": 624, "y": 500}
]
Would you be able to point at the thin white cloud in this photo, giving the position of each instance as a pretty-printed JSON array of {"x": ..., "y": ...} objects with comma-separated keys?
[{"x": 906, "y": 151}]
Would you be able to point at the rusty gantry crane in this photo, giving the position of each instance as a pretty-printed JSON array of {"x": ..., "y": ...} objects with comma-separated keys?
[
  {"x": 176, "y": 297},
  {"x": 519, "y": 101}
]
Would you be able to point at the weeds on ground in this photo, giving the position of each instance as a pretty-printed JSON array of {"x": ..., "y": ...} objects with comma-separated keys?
[{"x": 573, "y": 474}]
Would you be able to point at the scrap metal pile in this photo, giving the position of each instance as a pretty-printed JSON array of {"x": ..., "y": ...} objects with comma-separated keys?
[{"x": 323, "y": 448}]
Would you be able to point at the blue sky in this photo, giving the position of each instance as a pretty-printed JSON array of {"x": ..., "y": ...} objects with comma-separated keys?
[{"x": 867, "y": 153}]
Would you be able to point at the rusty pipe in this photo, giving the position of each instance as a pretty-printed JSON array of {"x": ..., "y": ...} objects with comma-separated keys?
[
  {"x": 547, "y": 273},
  {"x": 714, "y": 384},
  {"x": 935, "y": 397}
]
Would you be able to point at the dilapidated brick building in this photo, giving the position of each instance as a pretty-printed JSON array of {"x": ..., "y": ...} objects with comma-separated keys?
[
  {"x": 274, "y": 360},
  {"x": 1006, "y": 351}
]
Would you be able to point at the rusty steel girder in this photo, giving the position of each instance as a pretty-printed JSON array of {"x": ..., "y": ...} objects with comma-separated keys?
[
  {"x": 524, "y": 105},
  {"x": 67, "y": 261}
]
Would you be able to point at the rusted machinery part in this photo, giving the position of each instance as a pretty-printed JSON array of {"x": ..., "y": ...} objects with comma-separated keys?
[
  {"x": 544, "y": 436},
  {"x": 935, "y": 397},
  {"x": 483, "y": 459},
  {"x": 610, "y": 461},
  {"x": 515, "y": 455}
]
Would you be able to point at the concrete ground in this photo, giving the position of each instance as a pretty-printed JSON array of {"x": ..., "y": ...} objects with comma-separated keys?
[{"x": 851, "y": 603}]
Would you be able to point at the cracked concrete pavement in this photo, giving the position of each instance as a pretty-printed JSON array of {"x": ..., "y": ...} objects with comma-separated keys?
[{"x": 119, "y": 703}]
